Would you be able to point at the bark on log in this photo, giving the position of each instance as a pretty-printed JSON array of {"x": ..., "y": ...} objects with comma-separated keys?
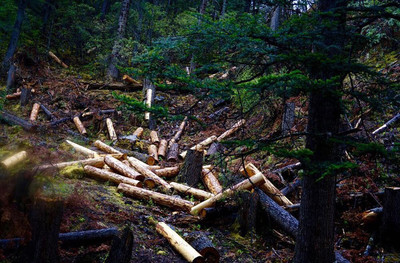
[
  {"x": 198, "y": 193},
  {"x": 84, "y": 150},
  {"x": 158, "y": 198},
  {"x": 80, "y": 238},
  {"x": 390, "y": 231},
  {"x": 121, "y": 248},
  {"x": 199, "y": 241},
  {"x": 148, "y": 173},
  {"x": 153, "y": 155},
  {"x": 154, "y": 137},
  {"x": 105, "y": 148},
  {"x": 187, "y": 251},
  {"x": 123, "y": 168},
  {"x": 111, "y": 130},
  {"x": 178, "y": 134},
  {"x": 53, "y": 56},
  {"x": 96, "y": 162},
  {"x": 267, "y": 187},
  {"x": 10, "y": 118},
  {"x": 162, "y": 149},
  {"x": 167, "y": 172},
  {"x": 231, "y": 130},
  {"x": 138, "y": 132},
  {"x": 173, "y": 153},
  {"x": 386, "y": 125},
  {"x": 13, "y": 160},
  {"x": 34, "y": 112},
  {"x": 200, "y": 146},
  {"x": 46, "y": 111},
  {"x": 79, "y": 125},
  {"x": 211, "y": 181},
  {"x": 288, "y": 118},
  {"x": 190, "y": 172},
  {"x": 25, "y": 96},
  {"x": 244, "y": 185},
  {"x": 110, "y": 176}
]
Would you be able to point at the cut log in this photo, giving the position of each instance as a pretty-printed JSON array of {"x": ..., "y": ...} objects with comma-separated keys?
[
  {"x": 187, "y": 251},
  {"x": 138, "y": 132},
  {"x": 149, "y": 99},
  {"x": 387, "y": 124},
  {"x": 267, "y": 187},
  {"x": 46, "y": 111},
  {"x": 110, "y": 176},
  {"x": 167, "y": 172},
  {"x": 200, "y": 146},
  {"x": 111, "y": 131},
  {"x": 158, "y": 198},
  {"x": 105, "y": 148},
  {"x": 153, "y": 155},
  {"x": 56, "y": 59},
  {"x": 162, "y": 149},
  {"x": 121, "y": 248},
  {"x": 80, "y": 238},
  {"x": 84, "y": 150},
  {"x": 199, "y": 241},
  {"x": 10, "y": 118},
  {"x": 154, "y": 137},
  {"x": 149, "y": 183},
  {"x": 173, "y": 153},
  {"x": 96, "y": 162},
  {"x": 123, "y": 168},
  {"x": 231, "y": 130},
  {"x": 178, "y": 134},
  {"x": 79, "y": 125},
  {"x": 141, "y": 163},
  {"x": 211, "y": 181},
  {"x": 14, "y": 96},
  {"x": 25, "y": 97},
  {"x": 14, "y": 160},
  {"x": 190, "y": 172},
  {"x": 247, "y": 212},
  {"x": 198, "y": 193},
  {"x": 132, "y": 81},
  {"x": 244, "y": 185},
  {"x": 149, "y": 174},
  {"x": 390, "y": 230},
  {"x": 34, "y": 112}
]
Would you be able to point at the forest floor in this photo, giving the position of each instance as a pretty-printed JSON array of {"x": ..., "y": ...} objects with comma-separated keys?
[{"x": 90, "y": 204}]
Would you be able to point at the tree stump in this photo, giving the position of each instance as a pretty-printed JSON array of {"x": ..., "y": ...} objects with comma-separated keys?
[
  {"x": 199, "y": 241},
  {"x": 247, "y": 212},
  {"x": 173, "y": 152},
  {"x": 45, "y": 223},
  {"x": 190, "y": 172},
  {"x": 390, "y": 231},
  {"x": 121, "y": 248}
]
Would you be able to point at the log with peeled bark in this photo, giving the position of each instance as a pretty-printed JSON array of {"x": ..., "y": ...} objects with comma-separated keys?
[
  {"x": 79, "y": 125},
  {"x": 153, "y": 155},
  {"x": 96, "y": 162},
  {"x": 267, "y": 187},
  {"x": 56, "y": 59},
  {"x": 111, "y": 130},
  {"x": 105, "y": 148},
  {"x": 173, "y": 153},
  {"x": 198, "y": 193},
  {"x": 244, "y": 185},
  {"x": 211, "y": 181},
  {"x": 13, "y": 160},
  {"x": 149, "y": 101},
  {"x": 34, "y": 112},
  {"x": 231, "y": 130},
  {"x": 11, "y": 118},
  {"x": 158, "y": 198},
  {"x": 154, "y": 137},
  {"x": 371, "y": 216},
  {"x": 200, "y": 146},
  {"x": 162, "y": 149},
  {"x": 132, "y": 81},
  {"x": 167, "y": 172},
  {"x": 123, "y": 168},
  {"x": 186, "y": 250},
  {"x": 387, "y": 124},
  {"x": 199, "y": 241},
  {"x": 190, "y": 171},
  {"x": 138, "y": 132},
  {"x": 84, "y": 150},
  {"x": 178, "y": 134},
  {"x": 110, "y": 176},
  {"x": 141, "y": 163},
  {"x": 149, "y": 174}
]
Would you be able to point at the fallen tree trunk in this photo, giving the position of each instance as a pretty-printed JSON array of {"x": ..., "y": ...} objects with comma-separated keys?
[
  {"x": 267, "y": 187},
  {"x": 198, "y": 193},
  {"x": 56, "y": 59},
  {"x": 148, "y": 173},
  {"x": 123, "y": 168},
  {"x": 80, "y": 238},
  {"x": 200, "y": 146},
  {"x": 84, "y": 150},
  {"x": 173, "y": 153},
  {"x": 158, "y": 198},
  {"x": 199, "y": 241},
  {"x": 10, "y": 118},
  {"x": 111, "y": 131},
  {"x": 244, "y": 185},
  {"x": 105, "y": 148},
  {"x": 34, "y": 112},
  {"x": 79, "y": 125},
  {"x": 231, "y": 130},
  {"x": 13, "y": 160},
  {"x": 162, "y": 149},
  {"x": 96, "y": 162},
  {"x": 110, "y": 176},
  {"x": 187, "y": 251},
  {"x": 190, "y": 171},
  {"x": 211, "y": 182},
  {"x": 62, "y": 120},
  {"x": 167, "y": 172}
]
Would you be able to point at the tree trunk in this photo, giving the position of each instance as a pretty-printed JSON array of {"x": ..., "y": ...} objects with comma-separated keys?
[
  {"x": 113, "y": 73},
  {"x": 390, "y": 233},
  {"x": 10, "y": 79},
  {"x": 104, "y": 9},
  {"x": 191, "y": 170},
  {"x": 121, "y": 248},
  {"x": 12, "y": 46},
  {"x": 247, "y": 212}
]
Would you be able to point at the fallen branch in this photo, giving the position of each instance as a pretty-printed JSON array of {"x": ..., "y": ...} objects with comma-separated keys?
[
  {"x": 231, "y": 130},
  {"x": 179, "y": 132},
  {"x": 51, "y": 54},
  {"x": 386, "y": 125}
]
